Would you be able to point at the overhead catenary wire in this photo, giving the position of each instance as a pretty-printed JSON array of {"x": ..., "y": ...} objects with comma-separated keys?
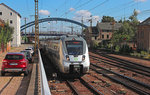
[
  {"x": 144, "y": 12},
  {"x": 79, "y": 1},
  {"x": 114, "y": 9},
  {"x": 60, "y": 6},
  {"x": 81, "y": 5},
  {"x": 98, "y": 5}
]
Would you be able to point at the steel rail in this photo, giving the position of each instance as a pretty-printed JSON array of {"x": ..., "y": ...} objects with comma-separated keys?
[
  {"x": 125, "y": 61},
  {"x": 136, "y": 89},
  {"x": 76, "y": 92},
  {"x": 44, "y": 83},
  {"x": 121, "y": 66},
  {"x": 87, "y": 85},
  {"x": 90, "y": 87}
]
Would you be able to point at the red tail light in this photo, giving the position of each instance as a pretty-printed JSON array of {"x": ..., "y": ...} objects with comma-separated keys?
[
  {"x": 5, "y": 62},
  {"x": 23, "y": 62}
]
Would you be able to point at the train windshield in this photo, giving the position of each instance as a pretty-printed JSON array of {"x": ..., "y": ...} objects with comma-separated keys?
[{"x": 74, "y": 47}]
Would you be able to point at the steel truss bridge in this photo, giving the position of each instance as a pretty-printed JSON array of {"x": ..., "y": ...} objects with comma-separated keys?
[
  {"x": 46, "y": 34},
  {"x": 32, "y": 23}
]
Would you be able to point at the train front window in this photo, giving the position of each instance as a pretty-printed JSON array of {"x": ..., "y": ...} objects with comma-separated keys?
[{"x": 74, "y": 47}]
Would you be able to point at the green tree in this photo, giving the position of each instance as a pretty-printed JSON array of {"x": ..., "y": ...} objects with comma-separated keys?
[
  {"x": 1, "y": 35},
  {"x": 127, "y": 32},
  {"x": 108, "y": 19},
  {"x": 6, "y": 34},
  {"x": 134, "y": 23},
  {"x": 9, "y": 32}
]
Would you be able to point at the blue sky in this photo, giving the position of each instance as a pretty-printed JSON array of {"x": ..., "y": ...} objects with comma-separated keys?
[{"x": 76, "y": 9}]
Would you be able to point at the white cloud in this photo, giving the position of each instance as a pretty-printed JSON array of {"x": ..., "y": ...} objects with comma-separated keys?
[
  {"x": 140, "y": 0},
  {"x": 86, "y": 15},
  {"x": 140, "y": 21},
  {"x": 71, "y": 9},
  {"x": 44, "y": 12}
]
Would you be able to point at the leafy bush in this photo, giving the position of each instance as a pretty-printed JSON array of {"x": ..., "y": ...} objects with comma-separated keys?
[
  {"x": 6, "y": 33},
  {"x": 117, "y": 48},
  {"x": 95, "y": 44},
  {"x": 125, "y": 49}
]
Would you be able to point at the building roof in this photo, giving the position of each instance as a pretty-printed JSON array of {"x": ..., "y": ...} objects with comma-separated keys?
[
  {"x": 145, "y": 22},
  {"x": 108, "y": 26},
  {"x": 11, "y": 9},
  {"x": 94, "y": 30}
]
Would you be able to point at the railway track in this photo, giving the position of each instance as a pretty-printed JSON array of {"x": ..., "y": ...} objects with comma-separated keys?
[
  {"x": 86, "y": 89},
  {"x": 139, "y": 70},
  {"x": 61, "y": 85},
  {"x": 127, "y": 63},
  {"x": 137, "y": 86}
]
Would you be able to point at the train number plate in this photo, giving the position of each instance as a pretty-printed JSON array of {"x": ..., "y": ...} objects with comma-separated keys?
[{"x": 75, "y": 58}]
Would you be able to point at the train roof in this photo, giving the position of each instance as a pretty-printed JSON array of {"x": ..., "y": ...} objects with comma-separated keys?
[{"x": 71, "y": 37}]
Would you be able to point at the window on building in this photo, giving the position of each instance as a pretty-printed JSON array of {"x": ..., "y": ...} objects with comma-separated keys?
[
  {"x": 102, "y": 36},
  {"x": 107, "y": 36},
  {"x": 11, "y": 13},
  {"x": 11, "y": 21},
  {"x": 142, "y": 34},
  {"x": 95, "y": 37},
  {"x": 0, "y": 13}
]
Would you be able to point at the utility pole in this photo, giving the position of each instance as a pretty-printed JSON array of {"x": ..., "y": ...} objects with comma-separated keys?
[
  {"x": 82, "y": 26},
  {"x": 25, "y": 19},
  {"x": 71, "y": 29},
  {"x": 90, "y": 32},
  {"x": 113, "y": 25},
  {"x": 36, "y": 45}
]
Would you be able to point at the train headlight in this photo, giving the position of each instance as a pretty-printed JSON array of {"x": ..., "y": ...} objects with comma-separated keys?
[
  {"x": 83, "y": 57},
  {"x": 67, "y": 58}
]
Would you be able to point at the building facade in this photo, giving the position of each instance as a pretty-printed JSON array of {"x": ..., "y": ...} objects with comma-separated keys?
[
  {"x": 90, "y": 34},
  {"x": 10, "y": 16},
  {"x": 101, "y": 33},
  {"x": 106, "y": 30},
  {"x": 143, "y": 35}
]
